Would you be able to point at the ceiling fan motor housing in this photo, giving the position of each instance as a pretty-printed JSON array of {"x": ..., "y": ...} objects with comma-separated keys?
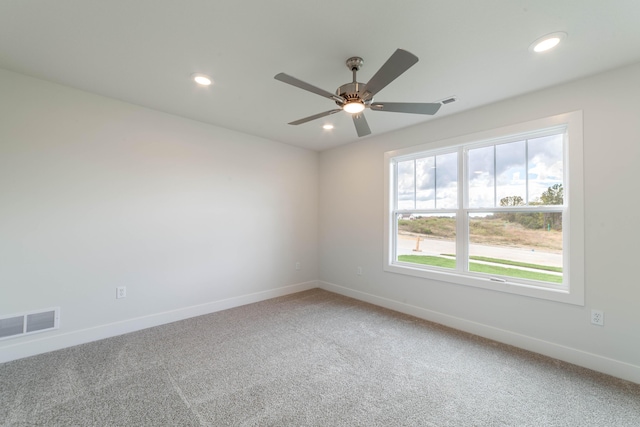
[{"x": 350, "y": 92}]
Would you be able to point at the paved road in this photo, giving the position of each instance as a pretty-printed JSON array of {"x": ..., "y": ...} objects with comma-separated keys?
[{"x": 406, "y": 244}]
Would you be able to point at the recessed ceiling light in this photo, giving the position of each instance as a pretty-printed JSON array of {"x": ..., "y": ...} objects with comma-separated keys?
[
  {"x": 327, "y": 126},
  {"x": 201, "y": 79},
  {"x": 547, "y": 42}
]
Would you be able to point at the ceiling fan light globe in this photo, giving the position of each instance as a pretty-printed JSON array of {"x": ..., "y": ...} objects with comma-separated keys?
[{"x": 353, "y": 107}]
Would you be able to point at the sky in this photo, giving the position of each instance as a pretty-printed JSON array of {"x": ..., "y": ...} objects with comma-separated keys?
[{"x": 524, "y": 168}]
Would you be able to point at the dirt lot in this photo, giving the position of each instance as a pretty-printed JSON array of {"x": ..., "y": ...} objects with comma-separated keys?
[{"x": 487, "y": 232}]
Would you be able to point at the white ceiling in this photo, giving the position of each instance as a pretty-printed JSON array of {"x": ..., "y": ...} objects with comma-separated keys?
[{"x": 144, "y": 51}]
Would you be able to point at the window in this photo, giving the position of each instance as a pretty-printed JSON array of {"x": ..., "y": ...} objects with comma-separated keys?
[{"x": 501, "y": 210}]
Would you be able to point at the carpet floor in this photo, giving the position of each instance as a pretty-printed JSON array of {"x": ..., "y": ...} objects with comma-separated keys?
[{"x": 309, "y": 359}]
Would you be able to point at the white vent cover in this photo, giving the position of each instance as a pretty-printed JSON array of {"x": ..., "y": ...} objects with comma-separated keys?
[
  {"x": 16, "y": 325},
  {"x": 448, "y": 100}
]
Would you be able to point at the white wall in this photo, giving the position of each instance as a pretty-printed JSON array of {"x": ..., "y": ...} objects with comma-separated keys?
[
  {"x": 351, "y": 229},
  {"x": 96, "y": 193}
]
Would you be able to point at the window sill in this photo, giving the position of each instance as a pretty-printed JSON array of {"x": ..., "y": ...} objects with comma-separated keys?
[{"x": 560, "y": 294}]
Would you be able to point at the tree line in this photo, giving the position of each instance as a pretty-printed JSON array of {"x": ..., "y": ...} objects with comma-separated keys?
[{"x": 554, "y": 195}]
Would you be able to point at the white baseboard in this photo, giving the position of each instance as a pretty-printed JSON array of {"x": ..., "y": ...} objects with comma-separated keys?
[
  {"x": 585, "y": 359},
  {"x": 46, "y": 344}
]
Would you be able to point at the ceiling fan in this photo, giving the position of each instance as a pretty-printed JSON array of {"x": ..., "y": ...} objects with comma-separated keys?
[{"x": 354, "y": 97}]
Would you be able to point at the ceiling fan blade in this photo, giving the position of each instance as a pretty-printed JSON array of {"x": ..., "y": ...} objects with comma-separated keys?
[
  {"x": 406, "y": 107},
  {"x": 362, "y": 127},
  {"x": 306, "y": 86},
  {"x": 315, "y": 116},
  {"x": 398, "y": 63}
]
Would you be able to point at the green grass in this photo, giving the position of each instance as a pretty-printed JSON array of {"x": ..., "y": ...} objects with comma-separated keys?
[
  {"x": 481, "y": 268},
  {"x": 514, "y": 272},
  {"x": 514, "y": 263},
  {"x": 428, "y": 260}
]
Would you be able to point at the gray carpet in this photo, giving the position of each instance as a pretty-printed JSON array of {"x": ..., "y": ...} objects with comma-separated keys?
[{"x": 308, "y": 359}]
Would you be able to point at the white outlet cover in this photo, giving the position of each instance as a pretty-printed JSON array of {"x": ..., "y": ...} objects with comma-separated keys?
[{"x": 597, "y": 317}]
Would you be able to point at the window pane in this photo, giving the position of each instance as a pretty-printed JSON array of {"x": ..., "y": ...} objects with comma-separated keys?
[
  {"x": 481, "y": 177},
  {"x": 427, "y": 239},
  {"x": 511, "y": 187},
  {"x": 447, "y": 181},
  {"x": 546, "y": 170},
  {"x": 523, "y": 245},
  {"x": 406, "y": 185},
  {"x": 426, "y": 183}
]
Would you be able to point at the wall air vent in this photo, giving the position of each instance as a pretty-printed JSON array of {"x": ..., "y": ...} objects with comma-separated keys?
[
  {"x": 17, "y": 325},
  {"x": 449, "y": 100}
]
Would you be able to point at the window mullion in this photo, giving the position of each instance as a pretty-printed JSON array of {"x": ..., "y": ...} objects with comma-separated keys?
[
  {"x": 495, "y": 179},
  {"x": 394, "y": 215},
  {"x": 435, "y": 182},
  {"x": 526, "y": 172},
  {"x": 415, "y": 184},
  {"x": 462, "y": 227}
]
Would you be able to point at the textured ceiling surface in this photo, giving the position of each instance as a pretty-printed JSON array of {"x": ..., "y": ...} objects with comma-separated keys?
[{"x": 144, "y": 52}]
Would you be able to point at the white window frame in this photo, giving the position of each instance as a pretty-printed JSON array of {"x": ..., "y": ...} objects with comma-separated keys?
[{"x": 572, "y": 289}]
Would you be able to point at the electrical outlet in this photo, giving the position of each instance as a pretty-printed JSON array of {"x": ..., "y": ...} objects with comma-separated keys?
[
  {"x": 359, "y": 271},
  {"x": 121, "y": 292},
  {"x": 597, "y": 317},
  {"x": 298, "y": 265}
]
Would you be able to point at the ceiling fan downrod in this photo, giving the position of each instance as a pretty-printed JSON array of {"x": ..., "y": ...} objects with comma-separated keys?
[{"x": 351, "y": 91}]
